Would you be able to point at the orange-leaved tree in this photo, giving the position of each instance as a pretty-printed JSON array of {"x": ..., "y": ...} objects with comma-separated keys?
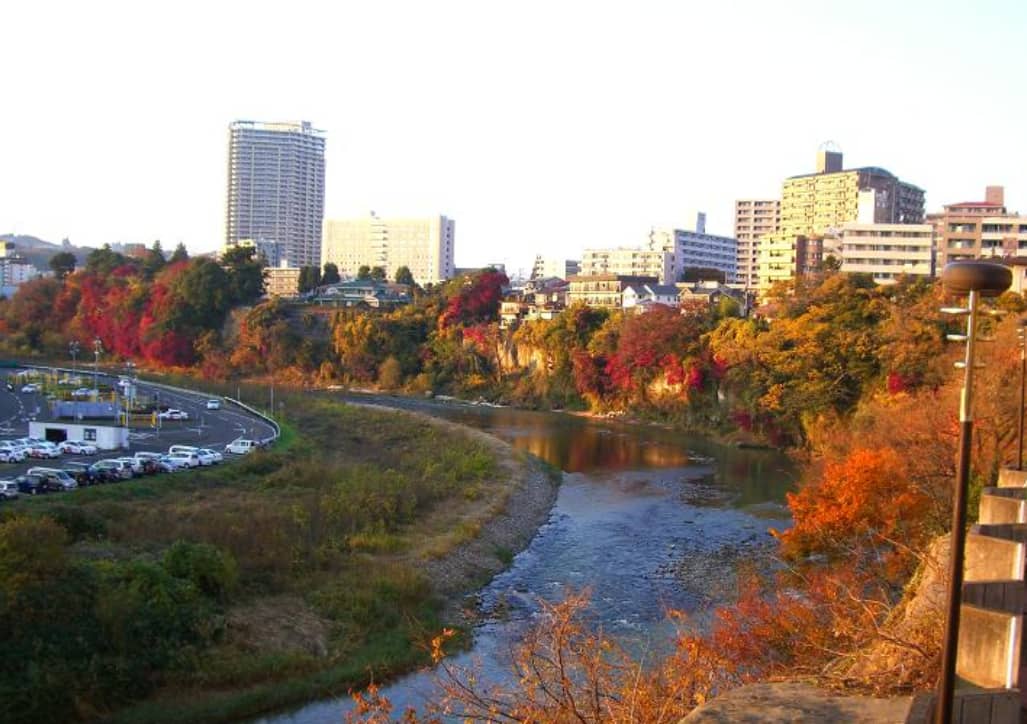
[{"x": 862, "y": 507}]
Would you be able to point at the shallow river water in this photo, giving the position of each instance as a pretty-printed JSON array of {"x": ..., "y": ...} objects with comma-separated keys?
[{"x": 647, "y": 519}]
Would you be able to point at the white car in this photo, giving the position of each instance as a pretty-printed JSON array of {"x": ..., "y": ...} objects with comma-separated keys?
[
  {"x": 8, "y": 489},
  {"x": 82, "y": 392},
  {"x": 188, "y": 459},
  {"x": 217, "y": 457},
  {"x": 175, "y": 464},
  {"x": 213, "y": 404},
  {"x": 10, "y": 455},
  {"x": 73, "y": 447},
  {"x": 205, "y": 457},
  {"x": 31, "y": 387},
  {"x": 134, "y": 464},
  {"x": 43, "y": 449},
  {"x": 11, "y": 452},
  {"x": 241, "y": 446},
  {"x": 172, "y": 414}
]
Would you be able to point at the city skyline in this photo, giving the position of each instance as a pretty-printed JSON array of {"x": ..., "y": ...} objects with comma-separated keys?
[{"x": 544, "y": 130}]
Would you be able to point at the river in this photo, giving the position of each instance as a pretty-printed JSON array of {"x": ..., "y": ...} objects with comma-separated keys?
[{"x": 647, "y": 519}]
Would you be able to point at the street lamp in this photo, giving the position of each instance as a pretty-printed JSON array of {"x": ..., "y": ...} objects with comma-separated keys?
[
  {"x": 972, "y": 279},
  {"x": 97, "y": 349},
  {"x": 73, "y": 348},
  {"x": 1021, "y": 336}
]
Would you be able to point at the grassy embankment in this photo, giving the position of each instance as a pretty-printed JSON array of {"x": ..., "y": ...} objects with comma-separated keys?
[{"x": 308, "y": 584}]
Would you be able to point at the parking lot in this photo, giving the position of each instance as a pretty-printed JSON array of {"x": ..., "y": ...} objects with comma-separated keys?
[{"x": 203, "y": 428}]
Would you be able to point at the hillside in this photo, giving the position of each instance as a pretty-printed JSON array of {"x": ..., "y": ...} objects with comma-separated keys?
[{"x": 39, "y": 252}]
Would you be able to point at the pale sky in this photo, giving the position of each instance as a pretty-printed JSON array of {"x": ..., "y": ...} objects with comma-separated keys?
[{"x": 541, "y": 127}]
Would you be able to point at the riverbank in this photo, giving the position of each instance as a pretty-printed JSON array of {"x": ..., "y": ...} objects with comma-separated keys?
[
  {"x": 284, "y": 649},
  {"x": 294, "y": 573}
]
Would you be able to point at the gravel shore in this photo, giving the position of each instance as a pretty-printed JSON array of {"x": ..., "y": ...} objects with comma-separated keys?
[{"x": 524, "y": 494}]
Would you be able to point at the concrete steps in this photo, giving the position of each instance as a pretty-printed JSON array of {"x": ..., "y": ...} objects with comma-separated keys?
[{"x": 992, "y": 653}]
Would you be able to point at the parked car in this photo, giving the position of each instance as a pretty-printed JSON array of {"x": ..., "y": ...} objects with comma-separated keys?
[
  {"x": 84, "y": 474},
  {"x": 116, "y": 467},
  {"x": 173, "y": 465},
  {"x": 30, "y": 484},
  {"x": 8, "y": 490},
  {"x": 134, "y": 464},
  {"x": 189, "y": 459},
  {"x": 241, "y": 446},
  {"x": 31, "y": 387},
  {"x": 218, "y": 457},
  {"x": 43, "y": 449},
  {"x": 82, "y": 392},
  {"x": 205, "y": 457},
  {"x": 213, "y": 404},
  {"x": 74, "y": 447},
  {"x": 54, "y": 478},
  {"x": 173, "y": 414},
  {"x": 11, "y": 455}
]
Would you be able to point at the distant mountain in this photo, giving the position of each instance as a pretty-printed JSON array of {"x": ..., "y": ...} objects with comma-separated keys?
[{"x": 39, "y": 252}]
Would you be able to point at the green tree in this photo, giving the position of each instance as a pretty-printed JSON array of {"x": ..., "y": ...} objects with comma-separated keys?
[
  {"x": 154, "y": 260},
  {"x": 378, "y": 273},
  {"x": 62, "y": 264},
  {"x": 104, "y": 260},
  {"x": 32, "y": 550},
  {"x": 180, "y": 254},
  {"x": 331, "y": 274},
  {"x": 245, "y": 273},
  {"x": 310, "y": 278},
  {"x": 364, "y": 272},
  {"x": 403, "y": 276}
]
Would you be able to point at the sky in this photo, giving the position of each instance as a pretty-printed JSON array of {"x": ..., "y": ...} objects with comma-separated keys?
[{"x": 540, "y": 127}]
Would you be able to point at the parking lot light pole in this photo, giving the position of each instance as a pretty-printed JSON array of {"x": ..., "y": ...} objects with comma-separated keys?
[
  {"x": 974, "y": 280},
  {"x": 73, "y": 348},
  {"x": 1021, "y": 335},
  {"x": 97, "y": 349}
]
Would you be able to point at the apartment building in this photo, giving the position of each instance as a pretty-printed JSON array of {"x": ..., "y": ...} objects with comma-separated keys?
[
  {"x": 626, "y": 261},
  {"x": 818, "y": 204},
  {"x": 424, "y": 245},
  {"x": 554, "y": 268},
  {"x": 605, "y": 291},
  {"x": 696, "y": 250},
  {"x": 979, "y": 229},
  {"x": 282, "y": 281},
  {"x": 753, "y": 218},
  {"x": 276, "y": 175},
  {"x": 887, "y": 251}
]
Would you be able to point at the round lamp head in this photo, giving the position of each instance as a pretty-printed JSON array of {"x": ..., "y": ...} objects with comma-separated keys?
[{"x": 985, "y": 277}]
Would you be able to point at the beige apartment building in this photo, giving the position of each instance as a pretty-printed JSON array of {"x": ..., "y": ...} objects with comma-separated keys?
[
  {"x": 282, "y": 281},
  {"x": 979, "y": 229},
  {"x": 629, "y": 262},
  {"x": 424, "y": 245},
  {"x": 887, "y": 251},
  {"x": 817, "y": 205},
  {"x": 753, "y": 218},
  {"x": 605, "y": 291}
]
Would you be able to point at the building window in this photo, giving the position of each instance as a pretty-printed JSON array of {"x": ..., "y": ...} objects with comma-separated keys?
[{"x": 89, "y": 434}]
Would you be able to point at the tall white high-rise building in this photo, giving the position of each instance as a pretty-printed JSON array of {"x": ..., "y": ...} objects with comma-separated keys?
[
  {"x": 423, "y": 245},
  {"x": 276, "y": 178}
]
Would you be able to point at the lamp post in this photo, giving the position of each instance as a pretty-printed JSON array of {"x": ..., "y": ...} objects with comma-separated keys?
[
  {"x": 1021, "y": 336},
  {"x": 973, "y": 280},
  {"x": 73, "y": 348},
  {"x": 97, "y": 349}
]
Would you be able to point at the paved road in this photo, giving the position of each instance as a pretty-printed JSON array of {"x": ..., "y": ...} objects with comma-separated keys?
[{"x": 204, "y": 428}]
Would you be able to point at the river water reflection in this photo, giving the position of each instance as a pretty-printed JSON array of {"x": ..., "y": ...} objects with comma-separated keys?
[{"x": 646, "y": 518}]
